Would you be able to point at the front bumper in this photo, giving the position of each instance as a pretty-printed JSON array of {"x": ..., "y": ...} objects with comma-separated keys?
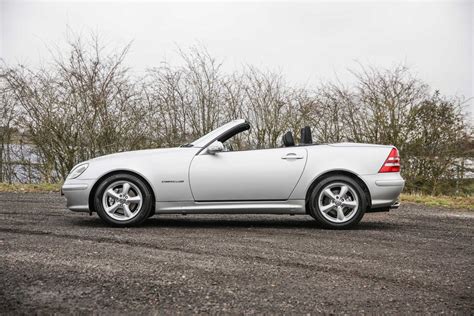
[{"x": 77, "y": 193}]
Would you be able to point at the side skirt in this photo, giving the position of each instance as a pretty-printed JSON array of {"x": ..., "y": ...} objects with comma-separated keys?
[{"x": 232, "y": 207}]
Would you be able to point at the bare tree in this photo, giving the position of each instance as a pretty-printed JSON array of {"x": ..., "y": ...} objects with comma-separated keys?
[
  {"x": 438, "y": 141},
  {"x": 7, "y": 128},
  {"x": 265, "y": 106},
  {"x": 86, "y": 104},
  {"x": 83, "y": 106}
]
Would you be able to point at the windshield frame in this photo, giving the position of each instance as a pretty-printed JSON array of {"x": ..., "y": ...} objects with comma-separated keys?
[{"x": 210, "y": 137}]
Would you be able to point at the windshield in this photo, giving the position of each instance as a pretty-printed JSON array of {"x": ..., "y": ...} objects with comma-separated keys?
[{"x": 204, "y": 140}]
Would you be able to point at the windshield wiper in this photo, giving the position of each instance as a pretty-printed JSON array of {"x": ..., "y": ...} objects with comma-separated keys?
[{"x": 187, "y": 145}]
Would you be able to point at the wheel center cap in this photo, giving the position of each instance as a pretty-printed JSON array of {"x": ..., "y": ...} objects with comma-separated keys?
[{"x": 338, "y": 202}]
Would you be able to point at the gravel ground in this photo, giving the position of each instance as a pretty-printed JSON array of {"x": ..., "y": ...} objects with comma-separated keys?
[{"x": 414, "y": 259}]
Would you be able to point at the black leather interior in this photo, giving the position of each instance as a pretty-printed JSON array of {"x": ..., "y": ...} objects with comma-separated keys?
[
  {"x": 306, "y": 137},
  {"x": 288, "y": 139}
]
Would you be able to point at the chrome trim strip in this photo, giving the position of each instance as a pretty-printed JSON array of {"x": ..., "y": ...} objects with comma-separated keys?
[
  {"x": 390, "y": 183},
  {"x": 75, "y": 187}
]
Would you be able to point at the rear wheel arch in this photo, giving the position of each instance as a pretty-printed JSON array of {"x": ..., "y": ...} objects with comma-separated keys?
[
  {"x": 105, "y": 176},
  {"x": 340, "y": 173}
]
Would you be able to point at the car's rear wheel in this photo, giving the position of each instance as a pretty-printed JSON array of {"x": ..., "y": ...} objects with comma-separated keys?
[
  {"x": 123, "y": 200},
  {"x": 337, "y": 202}
]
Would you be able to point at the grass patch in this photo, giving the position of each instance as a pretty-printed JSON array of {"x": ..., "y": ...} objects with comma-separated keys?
[
  {"x": 460, "y": 202},
  {"x": 37, "y": 187}
]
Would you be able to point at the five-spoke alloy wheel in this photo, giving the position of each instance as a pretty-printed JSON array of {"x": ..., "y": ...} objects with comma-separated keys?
[
  {"x": 337, "y": 202},
  {"x": 123, "y": 200}
]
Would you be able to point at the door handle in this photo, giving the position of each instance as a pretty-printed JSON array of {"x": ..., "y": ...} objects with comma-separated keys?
[{"x": 292, "y": 156}]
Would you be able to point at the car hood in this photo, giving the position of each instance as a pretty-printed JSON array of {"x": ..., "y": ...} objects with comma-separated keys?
[{"x": 136, "y": 153}]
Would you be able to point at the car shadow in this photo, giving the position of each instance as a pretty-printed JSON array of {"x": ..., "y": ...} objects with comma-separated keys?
[{"x": 267, "y": 222}]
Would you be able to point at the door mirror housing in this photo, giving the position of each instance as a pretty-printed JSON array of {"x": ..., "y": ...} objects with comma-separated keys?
[{"x": 215, "y": 147}]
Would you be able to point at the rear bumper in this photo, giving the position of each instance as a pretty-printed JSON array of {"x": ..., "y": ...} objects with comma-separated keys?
[
  {"x": 77, "y": 194},
  {"x": 385, "y": 189}
]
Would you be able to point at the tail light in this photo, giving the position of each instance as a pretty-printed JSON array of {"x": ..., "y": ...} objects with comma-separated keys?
[{"x": 392, "y": 163}]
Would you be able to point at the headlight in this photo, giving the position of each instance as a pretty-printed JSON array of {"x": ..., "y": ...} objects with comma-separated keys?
[{"x": 77, "y": 171}]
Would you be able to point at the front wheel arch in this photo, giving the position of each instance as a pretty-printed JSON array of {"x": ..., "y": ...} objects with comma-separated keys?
[
  {"x": 103, "y": 177},
  {"x": 338, "y": 173}
]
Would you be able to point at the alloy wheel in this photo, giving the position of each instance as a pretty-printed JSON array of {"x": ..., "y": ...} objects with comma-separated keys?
[
  {"x": 122, "y": 200},
  {"x": 338, "y": 202}
]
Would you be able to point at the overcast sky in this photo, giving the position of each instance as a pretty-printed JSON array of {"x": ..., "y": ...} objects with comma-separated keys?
[{"x": 309, "y": 42}]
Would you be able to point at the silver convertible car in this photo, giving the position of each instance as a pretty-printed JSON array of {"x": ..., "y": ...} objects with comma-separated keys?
[{"x": 334, "y": 183}]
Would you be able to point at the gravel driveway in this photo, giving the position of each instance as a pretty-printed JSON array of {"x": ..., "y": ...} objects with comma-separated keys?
[{"x": 414, "y": 259}]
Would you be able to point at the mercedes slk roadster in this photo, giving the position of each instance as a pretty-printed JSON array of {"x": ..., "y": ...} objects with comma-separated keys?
[{"x": 336, "y": 184}]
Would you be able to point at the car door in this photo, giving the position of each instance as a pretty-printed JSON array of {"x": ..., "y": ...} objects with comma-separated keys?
[{"x": 266, "y": 174}]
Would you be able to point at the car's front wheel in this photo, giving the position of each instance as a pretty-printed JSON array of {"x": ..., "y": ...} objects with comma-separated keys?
[
  {"x": 337, "y": 202},
  {"x": 123, "y": 200}
]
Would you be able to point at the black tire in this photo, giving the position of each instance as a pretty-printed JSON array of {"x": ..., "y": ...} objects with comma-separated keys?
[
  {"x": 315, "y": 195},
  {"x": 142, "y": 214}
]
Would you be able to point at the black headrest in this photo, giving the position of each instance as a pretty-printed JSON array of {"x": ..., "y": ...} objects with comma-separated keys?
[
  {"x": 288, "y": 140},
  {"x": 306, "y": 137}
]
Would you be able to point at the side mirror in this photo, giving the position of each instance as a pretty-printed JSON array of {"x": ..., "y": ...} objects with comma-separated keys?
[{"x": 215, "y": 147}]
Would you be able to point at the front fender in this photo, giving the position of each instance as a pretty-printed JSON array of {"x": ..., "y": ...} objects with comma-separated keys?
[{"x": 166, "y": 172}]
